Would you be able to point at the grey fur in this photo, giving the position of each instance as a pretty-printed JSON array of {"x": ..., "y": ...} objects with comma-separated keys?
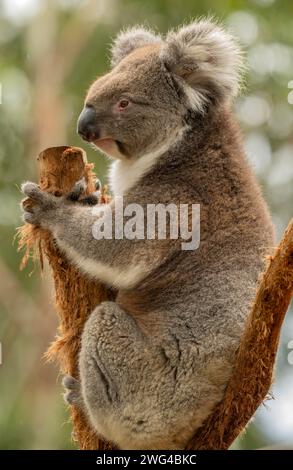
[
  {"x": 208, "y": 58},
  {"x": 129, "y": 40},
  {"x": 155, "y": 362}
]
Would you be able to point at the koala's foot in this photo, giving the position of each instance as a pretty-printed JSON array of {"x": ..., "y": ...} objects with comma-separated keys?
[{"x": 72, "y": 396}]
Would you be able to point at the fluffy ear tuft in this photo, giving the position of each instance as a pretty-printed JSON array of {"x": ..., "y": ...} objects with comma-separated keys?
[
  {"x": 129, "y": 40},
  {"x": 207, "y": 61}
]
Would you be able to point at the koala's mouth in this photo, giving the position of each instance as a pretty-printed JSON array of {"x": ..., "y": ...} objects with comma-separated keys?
[
  {"x": 104, "y": 142},
  {"x": 111, "y": 147}
]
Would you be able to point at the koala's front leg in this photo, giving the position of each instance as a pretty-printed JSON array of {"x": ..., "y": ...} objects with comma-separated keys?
[
  {"x": 66, "y": 216},
  {"x": 118, "y": 262},
  {"x": 46, "y": 208},
  {"x": 69, "y": 218}
]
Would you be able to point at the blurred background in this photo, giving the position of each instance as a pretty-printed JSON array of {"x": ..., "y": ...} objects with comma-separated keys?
[{"x": 50, "y": 52}]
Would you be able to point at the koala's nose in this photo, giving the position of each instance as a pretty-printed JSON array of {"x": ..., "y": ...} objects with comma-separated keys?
[{"x": 87, "y": 125}]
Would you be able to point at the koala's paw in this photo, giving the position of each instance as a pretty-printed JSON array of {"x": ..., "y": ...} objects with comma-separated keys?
[
  {"x": 77, "y": 194},
  {"x": 72, "y": 395},
  {"x": 38, "y": 205}
]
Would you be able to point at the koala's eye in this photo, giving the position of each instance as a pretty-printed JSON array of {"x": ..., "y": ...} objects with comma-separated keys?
[{"x": 123, "y": 103}]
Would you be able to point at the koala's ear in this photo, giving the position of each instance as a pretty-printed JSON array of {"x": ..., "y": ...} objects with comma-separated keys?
[
  {"x": 129, "y": 40},
  {"x": 206, "y": 60}
]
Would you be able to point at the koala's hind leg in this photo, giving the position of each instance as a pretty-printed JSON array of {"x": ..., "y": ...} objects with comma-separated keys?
[{"x": 120, "y": 373}]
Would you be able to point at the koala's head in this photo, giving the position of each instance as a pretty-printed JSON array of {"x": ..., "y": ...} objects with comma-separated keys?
[{"x": 141, "y": 105}]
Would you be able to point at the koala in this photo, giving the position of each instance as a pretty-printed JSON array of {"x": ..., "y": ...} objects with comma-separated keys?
[{"x": 154, "y": 363}]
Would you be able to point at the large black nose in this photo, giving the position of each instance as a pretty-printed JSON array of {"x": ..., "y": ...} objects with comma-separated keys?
[{"x": 87, "y": 124}]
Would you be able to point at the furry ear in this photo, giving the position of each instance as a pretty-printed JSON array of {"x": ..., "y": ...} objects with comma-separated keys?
[
  {"x": 129, "y": 40},
  {"x": 206, "y": 60}
]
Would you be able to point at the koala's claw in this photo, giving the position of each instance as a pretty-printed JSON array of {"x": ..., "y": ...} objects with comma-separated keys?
[
  {"x": 91, "y": 200},
  {"x": 72, "y": 396},
  {"x": 77, "y": 190},
  {"x": 28, "y": 188},
  {"x": 30, "y": 218},
  {"x": 70, "y": 382}
]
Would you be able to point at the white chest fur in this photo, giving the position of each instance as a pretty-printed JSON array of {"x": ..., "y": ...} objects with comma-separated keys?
[{"x": 124, "y": 174}]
